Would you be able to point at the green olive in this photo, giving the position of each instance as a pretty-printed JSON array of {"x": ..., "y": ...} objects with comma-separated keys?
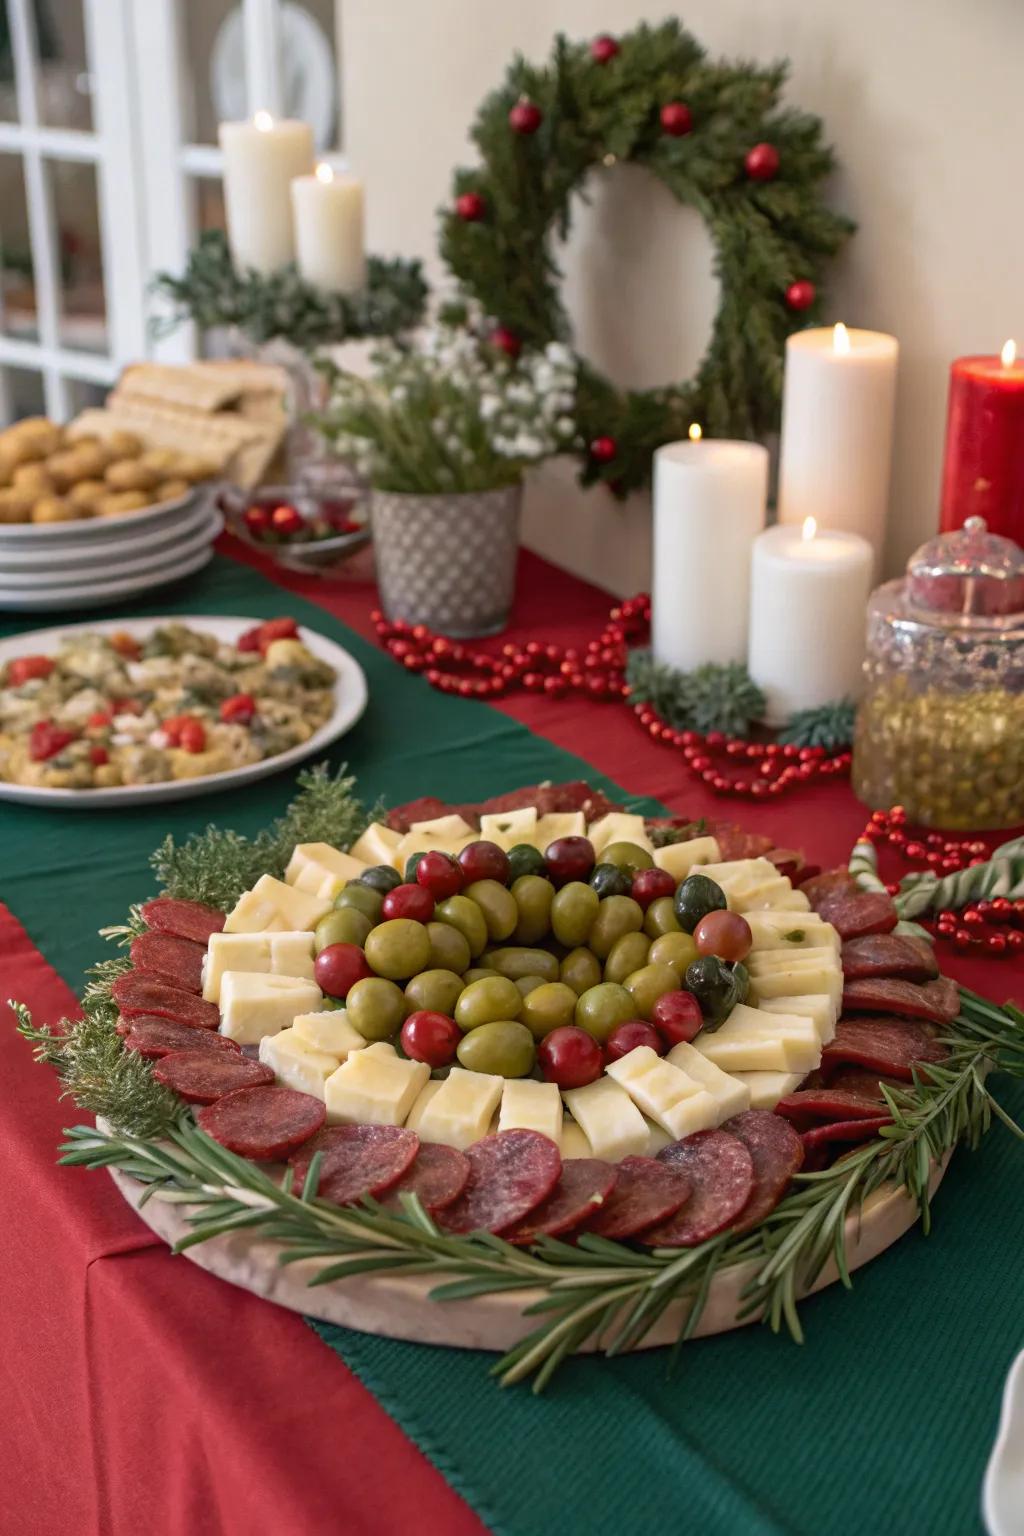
[
  {"x": 617, "y": 915},
  {"x": 675, "y": 949},
  {"x": 398, "y": 948},
  {"x": 498, "y": 905},
  {"x": 573, "y": 912},
  {"x": 525, "y": 859},
  {"x": 580, "y": 969},
  {"x": 345, "y": 925},
  {"x": 601, "y": 1008},
  {"x": 514, "y": 962},
  {"x": 627, "y": 856},
  {"x": 482, "y": 1001},
  {"x": 363, "y": 897},
  {"x": 437, "y": 991},
  {"x": 647, "y": 984},
  {"x": 501, "y": 1046},
  {"x": 375, "y": 1008},
  {"x": 528, "y": 984},
  {"x": 626, "y": 955},
  {"x": 478, "y": 973},
  {"x": 380, "y": 878},
  {"x": 533, "y": 896},
  {"x": 660, "y": 918},
  {"x": 547, "y": 1008},
  {"x": 448, "y": 948},
  {"x": 466, "y": 916}
]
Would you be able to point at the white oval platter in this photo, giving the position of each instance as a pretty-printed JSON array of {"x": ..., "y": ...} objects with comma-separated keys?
[
  {"x": 77, "y": 573},
  {"x": 350, "y": 699},
  {"x": 88, "y": 594},
  {"x": 102, "y": 552},
  {"x": 86, "y": 531}
]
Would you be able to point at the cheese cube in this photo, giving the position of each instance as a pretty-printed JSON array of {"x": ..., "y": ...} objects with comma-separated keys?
[
  {"x": 329, "y": 1031},
  {"x": 774, "y": 895},
  {"x": 573, "y": 1143},
  {"x": 618, "y": 827},
  {"x": 609, "y": 1119},
  {"x": 741, "y": 874},
  {"x": 767, "y": 1088},
  {"x": 775, "y": 930},
  {"x": 680, "y": 858},
  {"x": 273, "y": 907},
  {"x": 377, "y": 845},
  {"x": 460, "y": 1112},
  {"x": 283, "y": 954},
  {"x": 664, "y": 1094},
  {"x": 750, "y": 1041},
  {"x": 443, "y": 827},
  {"x": 797, "y": 982},
  {"x": 296, "y": 1063},
  {"x": 254, "y": 1005},
  {"x": 424, "y": 1097},
  {"x": 506, "y": 828},
  {"x": 558, "y": 824},
  {"x": 373, "y": 1087},
  {"x": 657, "y": 1138},
  {"x": 731, "y": 1096},
  {"x": 822, "y": 1009},
  {"x": 530, "y": 1106},
  {"x": 321, "y": 869},
  {"x": 768, "y": 962},
  {"x": 426, "y": 842}
]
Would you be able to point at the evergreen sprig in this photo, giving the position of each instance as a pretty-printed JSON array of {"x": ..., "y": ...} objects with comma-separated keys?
[
  {"x": 828, "y": 725},
  {"x": 710, "y": 698}
]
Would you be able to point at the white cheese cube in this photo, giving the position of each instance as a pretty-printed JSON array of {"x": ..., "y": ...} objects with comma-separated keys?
[
  {"x": 558, "y": 824},
  {"x": 618, "y": 827},
  {"x": 767, "y": 1088},
  {"x": 749, "y": 1041},
  {"x": 321, "y": 869},
  {"x": 657, "y": 1138},
  {"x": 460, "y": 1112},
  {"x": 377, "y": 845},
  {"x": 822, "y": 1009},
  {"x": 284, "y": 954},
  {"x": 679, "y": 859},
  {"x": 296, "y": 1063},
  {"x": 663, "y": 1093},
  {"x": 507, "y": 828},
  {"x": 797, "y": 982},
  {"x": 254, "y": 1005},
  {"x": 609, "y": 1119},
  {"x": 273, "y": 907},
  {"x": 448, "y": 826},
  {"x": 775, "y": 930},
  {"x": 531, "y": 1106},
  {"x": 373, "y": 1087},
  {"x": 426, "y": 842},
  {"x": 573, "y": 1143},
  {"x": 741, "y": 874},
  {"x": 768, "y": 962},
  {"x": 775, "y": 895},
  {"x": 424, "y": 1097},
  {"x": 730, "y": 1095},
  {"x": 329, "y": 1031}
]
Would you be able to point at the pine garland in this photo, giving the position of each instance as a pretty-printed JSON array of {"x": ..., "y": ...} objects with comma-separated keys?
[
  {"x": 710, "y": 698},
  {"x": 827, "y": 725}
]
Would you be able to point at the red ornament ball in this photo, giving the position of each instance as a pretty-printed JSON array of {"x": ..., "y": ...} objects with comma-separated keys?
[
  {"x": 603, "y": 49},
  {"x": 676, "y": 119},
  {"x": 525, "y": 117},
  {"x": 470, "y": 207},
  {"x": 506, "y": 341},
  {"x": 762, "y": 162},
  {"x": 800, "y": 295},
  {"x": 603, "y": 449}
]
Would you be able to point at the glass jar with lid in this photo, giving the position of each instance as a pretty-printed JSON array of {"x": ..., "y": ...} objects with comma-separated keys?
[{"x": 940, "y": 729}]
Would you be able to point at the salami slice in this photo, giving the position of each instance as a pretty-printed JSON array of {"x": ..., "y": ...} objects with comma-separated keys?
[
  {"x": 810, "y": 1104},
  {"x": 509, "y": 1175},
  {"x": 182, "y": 919},
  {"x": 905, "y": 956},
  {"x": 265, "y": 1124},
  {"x": 155, "y": 1037},
  {"x": 852, "y": 912},
  {"x": 859, "y": 1080},
  {"x": 736, "y": 842},
  {"x": 176, "y": 961},
  {"x": 937, "y": 1002},
  {"x": 437, "y": 1177},
  {"x": 843, "y": 1130},
  {"x": 721, "y": 1171},
  {"x": 202, "y": 1077},
  {"x": 646, "y": 1192},
  {"x": 357, "y": 1160},
  {"x": 828, "y": 881},
  {"x": 582, "y": 1189},
  {"x": 891, "y": 1046},
  {"x": 776, "y": 1152},
  {"x": 136, "y": 993}
]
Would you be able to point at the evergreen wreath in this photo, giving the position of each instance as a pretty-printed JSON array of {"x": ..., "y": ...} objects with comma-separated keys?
[{"x": 713, "y": 133}]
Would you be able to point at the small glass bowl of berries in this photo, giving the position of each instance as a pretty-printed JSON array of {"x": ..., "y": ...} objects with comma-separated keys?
[{"x": 302, "y": 529}]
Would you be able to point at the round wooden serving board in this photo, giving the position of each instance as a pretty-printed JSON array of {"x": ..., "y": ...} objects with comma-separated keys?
[{"x": 399, "y": 1307}]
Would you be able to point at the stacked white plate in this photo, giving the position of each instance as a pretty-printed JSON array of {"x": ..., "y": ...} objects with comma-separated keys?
[{"x": 61, "y": 566}]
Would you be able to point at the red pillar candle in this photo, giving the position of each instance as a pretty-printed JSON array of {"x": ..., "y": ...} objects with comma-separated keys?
[{"x": 983, "y": 475}]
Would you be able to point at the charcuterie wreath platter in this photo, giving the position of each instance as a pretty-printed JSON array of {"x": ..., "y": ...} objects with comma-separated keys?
[{"x": 538, "y": 1076}]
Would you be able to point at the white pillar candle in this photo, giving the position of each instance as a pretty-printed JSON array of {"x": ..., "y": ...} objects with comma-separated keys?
[
  {"x": 838, "y": 403},
  {"x": 261, "y": 160},
  {"x": 329, "y": 230},
  {"x": 808, "y": 602},
  {"x": 709, "y": 506}
]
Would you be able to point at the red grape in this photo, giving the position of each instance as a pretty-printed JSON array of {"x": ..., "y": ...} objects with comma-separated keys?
[
  {"x": 677, "y": 1017},
  {"x": 430, "y": 1037},
  {"x": 484, "y": 861},
  {"x": 570, "y": 1057},
  {"x": 626, "y": 1037},
  {"x": 649, "y": 884},
  {"x": 569, "y": 858},
  {"x": 413, "y": 901},
  {"x": 440, "y": 873},
  {"x": 725, "y": 934},
  {"x": 339, "y": 967}
]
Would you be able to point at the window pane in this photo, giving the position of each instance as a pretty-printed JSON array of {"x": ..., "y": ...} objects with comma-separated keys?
[
  {"x": 208, "y": 203},
  {"x": 213, "y": 73},
  {"x": 83, "y": 310},
  {"x": 64, "y": 83},
  {"x": 309, "y": 68},
  {"x": 21, "y": 392},
  {"x": 17, "y": 279},
  {"x": 8, "y": 95}
]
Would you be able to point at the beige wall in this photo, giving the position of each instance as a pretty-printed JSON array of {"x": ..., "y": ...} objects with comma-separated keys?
[{"x": 924, "y": 103}]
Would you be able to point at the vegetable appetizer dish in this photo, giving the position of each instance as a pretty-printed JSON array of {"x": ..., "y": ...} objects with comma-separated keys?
[{"x": 111, "y": 709}]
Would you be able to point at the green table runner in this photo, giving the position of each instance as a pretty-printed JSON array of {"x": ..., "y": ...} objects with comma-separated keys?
[{"x": 880, "y": 1423}]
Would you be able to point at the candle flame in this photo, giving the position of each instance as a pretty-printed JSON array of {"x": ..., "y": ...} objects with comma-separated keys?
[
  {"x": 810, "y": 528},
  {"x": 262, "y": 121},
  {"x": 696, "y": 432},
  {"x": 840, "y": 339},
  {"x": 324, "y": 172},
  {"x": 1008, "y": 356}
]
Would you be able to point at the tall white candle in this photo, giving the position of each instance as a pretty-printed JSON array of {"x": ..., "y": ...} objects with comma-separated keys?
[
  {"x": 709, "y": 505},
  {"x": 835, "y": 455},
  {"x": 808, "y": 603},
  {"x": 329, "y": 230},
  {"x": 261, "y": 160}
]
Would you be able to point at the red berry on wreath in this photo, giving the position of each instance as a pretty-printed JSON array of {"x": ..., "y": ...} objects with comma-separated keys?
[
  {"x": 762, "y": 162},
  {"x": 470, "y": 207},
  {"x": 525, "y": 117},
  {"x": 603, "y": 449},
  {"x": 676, "y": 119},
  {"x": 603, "y": 48},
  {"x": 506, "y": 341},
  {"x": 801, "y": 294}
]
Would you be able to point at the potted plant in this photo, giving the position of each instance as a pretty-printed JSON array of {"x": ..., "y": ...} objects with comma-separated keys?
[{"x": 443, "y": 430}]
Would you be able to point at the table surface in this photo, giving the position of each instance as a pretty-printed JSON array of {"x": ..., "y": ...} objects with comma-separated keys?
[{"x": 187, "y": 1405}]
